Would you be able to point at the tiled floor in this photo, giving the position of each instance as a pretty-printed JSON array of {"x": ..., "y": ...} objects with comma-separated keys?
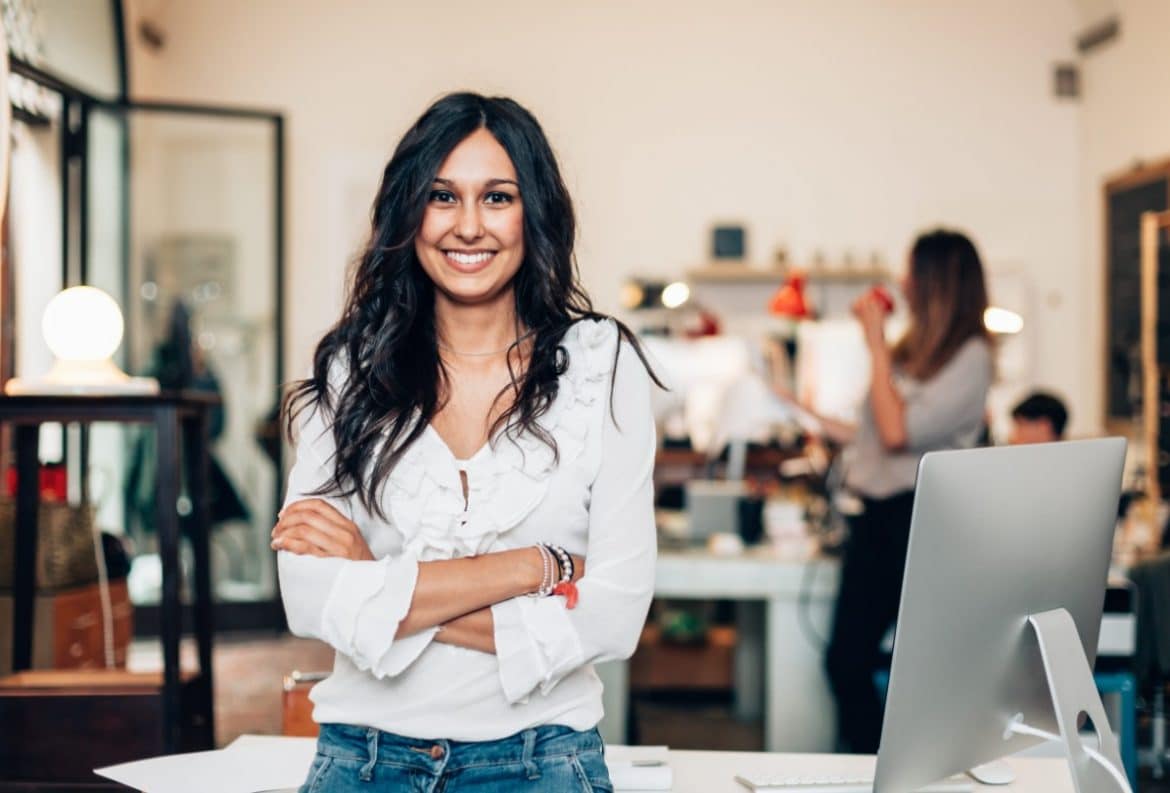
[{"x": 249, "y": 671}]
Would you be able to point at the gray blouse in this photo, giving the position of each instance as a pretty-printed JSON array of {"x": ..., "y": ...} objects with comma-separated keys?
[{"x": 945, "y": 412}]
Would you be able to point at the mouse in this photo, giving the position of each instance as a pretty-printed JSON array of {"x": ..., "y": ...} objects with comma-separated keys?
[{"x": 997, "y": 772}]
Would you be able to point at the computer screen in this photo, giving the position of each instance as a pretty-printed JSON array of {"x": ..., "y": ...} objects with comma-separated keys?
[{"x": 996, "y": 535}]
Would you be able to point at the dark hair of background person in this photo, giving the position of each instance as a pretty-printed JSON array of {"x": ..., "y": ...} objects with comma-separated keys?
[
  {"x": 386, "y": 335},
  {"x": 1042, "y": 405},
  {"x": 947, "y": 296}
]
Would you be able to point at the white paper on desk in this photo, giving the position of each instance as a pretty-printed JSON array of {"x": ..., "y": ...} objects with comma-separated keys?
[
  {"x": 289, "y": 749},
  {"x": 252, "y": 763},
  {"x": 637, "y": 768}
]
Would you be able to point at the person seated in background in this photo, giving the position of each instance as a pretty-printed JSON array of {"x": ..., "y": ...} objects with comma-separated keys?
[{"x": 1039, "y": 418}]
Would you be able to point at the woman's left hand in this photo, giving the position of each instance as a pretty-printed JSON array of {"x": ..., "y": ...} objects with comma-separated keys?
[
  {"x": 313, "y": 527},
  {"x": 872, "y": 315}
]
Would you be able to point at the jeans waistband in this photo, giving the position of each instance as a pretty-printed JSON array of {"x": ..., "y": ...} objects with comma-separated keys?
[{"x": 373, "y": 746}]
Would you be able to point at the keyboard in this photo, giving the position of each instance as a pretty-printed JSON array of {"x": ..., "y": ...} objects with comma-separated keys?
[{"x": 835, "y": 784}]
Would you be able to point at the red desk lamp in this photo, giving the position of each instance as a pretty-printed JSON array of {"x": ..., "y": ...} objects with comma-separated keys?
[{"x": 789, "y": 300}]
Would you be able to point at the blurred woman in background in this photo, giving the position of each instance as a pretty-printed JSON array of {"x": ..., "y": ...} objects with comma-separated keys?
[{"x": 927, "y": 393}]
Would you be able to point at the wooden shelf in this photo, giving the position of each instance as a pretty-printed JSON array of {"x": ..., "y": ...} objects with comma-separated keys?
[
  {"x": 54, "y": 679},
  {"x": 735, "y": 273},
  {"x": 745, "y": 274},
  {"x": 862, "y": 275}
]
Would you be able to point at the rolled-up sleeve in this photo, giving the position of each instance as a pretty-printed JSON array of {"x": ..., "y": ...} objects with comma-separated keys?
[
  {"x": 354, "y": 606},
  {"x": 539, "y": 640},
  {"x": 952, "y": 402}
]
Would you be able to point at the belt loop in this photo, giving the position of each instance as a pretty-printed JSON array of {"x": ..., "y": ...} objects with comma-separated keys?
[
  {"x": 367, "y": 772},
  {"x": 529, "y": 749}
]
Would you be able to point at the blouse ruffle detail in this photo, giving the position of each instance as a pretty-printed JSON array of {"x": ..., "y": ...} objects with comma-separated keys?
[{"x": 508, "y": 480}]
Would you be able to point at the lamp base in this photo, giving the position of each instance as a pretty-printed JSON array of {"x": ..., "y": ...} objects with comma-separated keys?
[{"x": 82, "y": 378}]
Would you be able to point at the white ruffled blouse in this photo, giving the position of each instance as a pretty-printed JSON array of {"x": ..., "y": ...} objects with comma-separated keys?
[{"x": 596, "y": 501}]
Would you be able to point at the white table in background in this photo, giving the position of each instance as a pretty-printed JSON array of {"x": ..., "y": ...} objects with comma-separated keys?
[{"x": 778, "y": 666}]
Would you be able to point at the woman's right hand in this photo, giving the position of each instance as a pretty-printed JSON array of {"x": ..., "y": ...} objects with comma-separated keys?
[{"x": 314, "y": 527}]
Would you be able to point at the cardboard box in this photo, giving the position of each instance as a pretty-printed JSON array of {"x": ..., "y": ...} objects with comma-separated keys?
[{"x": 68, "y": 630}]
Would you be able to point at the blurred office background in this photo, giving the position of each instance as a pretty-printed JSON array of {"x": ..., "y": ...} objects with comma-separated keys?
[{"x": 211, "y": 166}]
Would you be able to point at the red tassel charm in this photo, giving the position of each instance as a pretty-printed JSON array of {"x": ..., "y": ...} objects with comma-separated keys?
[{"x": 569, "y": 590}]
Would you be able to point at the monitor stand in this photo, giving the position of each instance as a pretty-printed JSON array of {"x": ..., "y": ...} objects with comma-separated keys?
[
  {"x": 1070, "y": 682},
  {"x": 997, "y": 772}
]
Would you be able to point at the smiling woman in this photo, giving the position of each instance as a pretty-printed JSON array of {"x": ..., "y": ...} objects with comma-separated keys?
[{"x": 469, "y": 521}]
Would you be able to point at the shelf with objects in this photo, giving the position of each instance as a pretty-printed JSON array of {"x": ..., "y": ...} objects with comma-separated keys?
[
  {"x": 741, "y": 492},
  {"x": 743, "y": 480},
  {"x": 728, "y": 414},
  {"x": 188, "y": 238},
  {"x": 748, "y": 273},
  {"x": 83, "y": 414},
  {"x": 201, "y": 294},
  {"x": 1145, "y": 537},
  {"x": 112, "y": 715}
]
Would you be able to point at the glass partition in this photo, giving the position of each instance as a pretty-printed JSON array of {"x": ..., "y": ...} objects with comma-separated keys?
[{"x": 186, "y": 236}]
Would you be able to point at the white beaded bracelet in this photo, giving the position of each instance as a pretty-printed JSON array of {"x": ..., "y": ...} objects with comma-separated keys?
[{"x": 547, "y": 577}]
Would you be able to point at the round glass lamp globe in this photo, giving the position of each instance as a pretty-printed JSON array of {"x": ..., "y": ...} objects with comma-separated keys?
[{"x": 82, "y": 323}]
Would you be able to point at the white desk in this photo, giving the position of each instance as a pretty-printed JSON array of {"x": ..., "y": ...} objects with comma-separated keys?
[
  {"x": 714, "y": 772},
  {"x": 777, "y": 665},
  {"x": 279, "y": 763}
]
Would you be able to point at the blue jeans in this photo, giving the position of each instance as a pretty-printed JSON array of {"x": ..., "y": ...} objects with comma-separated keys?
[{"x": 550, "y": 759}]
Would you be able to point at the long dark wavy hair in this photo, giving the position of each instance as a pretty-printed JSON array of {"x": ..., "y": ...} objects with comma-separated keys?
[{"x": 386, "y": 338}]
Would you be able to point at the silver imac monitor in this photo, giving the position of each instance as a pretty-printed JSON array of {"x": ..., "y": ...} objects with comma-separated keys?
[{"x": 985, "y": 661}]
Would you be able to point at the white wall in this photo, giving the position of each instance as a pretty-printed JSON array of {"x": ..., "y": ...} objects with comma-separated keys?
[
  {"x": 835, "y": 125},
  {"x": 35, "y": 220},
  {"x": 1125, "y": 119},
  {"x": 80, "y": 43}
]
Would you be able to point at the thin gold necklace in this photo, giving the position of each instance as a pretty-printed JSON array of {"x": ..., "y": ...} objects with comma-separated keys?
[{"x": 482, "y": 354}]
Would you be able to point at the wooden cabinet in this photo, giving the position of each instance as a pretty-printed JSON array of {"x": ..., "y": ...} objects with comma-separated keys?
[
  {"x": 72, "y": 721},
  {"x": 89, "y": 722},
  {"x": 707, "y": 665}
]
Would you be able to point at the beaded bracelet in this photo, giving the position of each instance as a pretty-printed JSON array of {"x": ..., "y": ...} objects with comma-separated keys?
[
  {"x": 564, "y": 562},
  {"x": 547, "y": 576},
  {"x": 566, "y": 586}
]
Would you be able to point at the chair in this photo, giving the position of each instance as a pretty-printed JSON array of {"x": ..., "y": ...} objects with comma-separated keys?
[{"x": 1151, "y": 578}]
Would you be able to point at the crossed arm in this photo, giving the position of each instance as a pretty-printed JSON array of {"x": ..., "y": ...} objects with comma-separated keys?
[
  {"x": 455, "y": 595},
  {"x": 383, "y": 613}
]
